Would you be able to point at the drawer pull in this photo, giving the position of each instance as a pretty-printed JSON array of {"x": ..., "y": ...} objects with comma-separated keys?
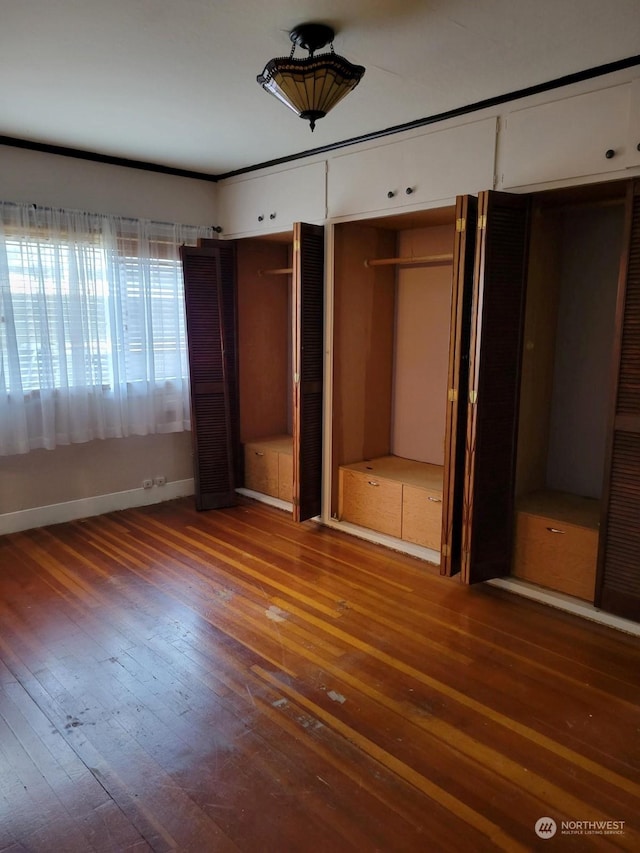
[
  {"x": 373, "y": 483},
  {"x": 555, "y": 530},
  {"x": 435, "y": 500},
  {"x": 259, "y": 452}
]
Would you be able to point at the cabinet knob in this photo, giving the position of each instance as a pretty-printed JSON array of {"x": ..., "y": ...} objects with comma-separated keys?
[
  {"x": 272, "y": 216},
  {"x": 260, "y": 218},
  {"x": 609, "y": 153},
  {"x": 217, "y": 229},
  {"x": 409, "y": 190},
  {"x": 638, "y": 146},
  {"x": 372, "y": 483},
  {"x": 391, "y": 193}
]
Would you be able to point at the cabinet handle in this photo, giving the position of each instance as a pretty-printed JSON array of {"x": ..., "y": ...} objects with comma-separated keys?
[
  {"x": 258, "y": 452},
  {"x": 373, "y": 483},
  {"x": 260, "y": 218},
  {"x": 272, "y": 216},
  {"x": 435, "y": 500},
  {"x": 555, "y": 530},
  {"x": 217, "y": 228},
  {"x": 609, "y": 153},
  {"x": 409, "y": 190},
  {"x": 391, "y": 193}
]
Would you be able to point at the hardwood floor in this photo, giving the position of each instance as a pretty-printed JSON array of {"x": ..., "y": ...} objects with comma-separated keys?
[{"x": 230, "y": 681}]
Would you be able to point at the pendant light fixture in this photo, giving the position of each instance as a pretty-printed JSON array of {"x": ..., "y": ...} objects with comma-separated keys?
[{"x": 312, "y": 86}]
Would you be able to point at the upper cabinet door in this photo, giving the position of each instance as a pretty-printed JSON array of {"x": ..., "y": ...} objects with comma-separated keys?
[
  {"x": 209, "y": 286},
  {"x": 413, "y": 172},
  {"x": 308, "y": 366},
  {"x": 271, "y": 203},
  {"x": 570, "y": 138},
  {"x": 458, "y": 382},
  {"x": 633, "y": 137},
  {"x": 494, "y": 383},
  {"x": 618, "y": 580}
]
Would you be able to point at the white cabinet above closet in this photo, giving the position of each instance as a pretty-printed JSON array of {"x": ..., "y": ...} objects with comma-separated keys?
[
  {"x": 568, "y": 138},
  {"x": 272, "y": 203},
  {"x": 431, "y": 167},
  {"x": 633, "y": 137}
]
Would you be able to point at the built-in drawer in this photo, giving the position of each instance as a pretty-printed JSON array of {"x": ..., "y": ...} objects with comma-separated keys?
[
  {"x": 371, "y": 502},
  {"x": 556, "y": 554},
  {"x": 261, "y": 469},
  {"x": 422, "y": 516},
  {"x": 285, "y": 476}
]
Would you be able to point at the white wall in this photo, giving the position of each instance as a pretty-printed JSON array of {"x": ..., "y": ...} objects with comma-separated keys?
[{"x": 86, "y": 478}]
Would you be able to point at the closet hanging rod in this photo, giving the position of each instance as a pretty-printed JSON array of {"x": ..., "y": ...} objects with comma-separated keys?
[
  {"x": 281, "y": 271},
  {"x": 422, "y": 259}
]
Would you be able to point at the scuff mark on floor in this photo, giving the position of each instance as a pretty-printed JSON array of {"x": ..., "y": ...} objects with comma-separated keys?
[{"x": 276, "y": 614}]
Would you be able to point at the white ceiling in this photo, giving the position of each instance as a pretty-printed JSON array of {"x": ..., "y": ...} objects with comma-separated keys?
[{"x": 173, "y": 82}]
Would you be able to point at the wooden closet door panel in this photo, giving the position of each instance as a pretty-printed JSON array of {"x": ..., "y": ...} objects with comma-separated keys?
[
  {"x": 618, "y": 578},
  {"x": 458, "y": 382},
  {"x": 308, "y": 366},
  {"x": 210, "y": 313},
  {"x": 494, "y": 383}
]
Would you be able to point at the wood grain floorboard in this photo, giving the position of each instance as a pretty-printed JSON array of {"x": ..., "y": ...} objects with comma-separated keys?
[{"x": 231, "y": 681}]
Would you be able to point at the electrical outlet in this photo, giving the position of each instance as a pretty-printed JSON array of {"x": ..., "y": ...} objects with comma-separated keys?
[
  {"x": 160, "y": 481},
  {"x": 147, "y": 484}
]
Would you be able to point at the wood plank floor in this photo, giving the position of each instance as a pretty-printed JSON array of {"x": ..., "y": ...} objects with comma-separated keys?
[{"x": 230, "y": 681}]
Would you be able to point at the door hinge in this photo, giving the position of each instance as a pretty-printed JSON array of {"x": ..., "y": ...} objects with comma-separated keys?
[
  {"x": 296, "y": 501},
  {"x": 482, "y": 222},
  {"x": 296, "y": 245},
  {"x": 461, "y": 224},
  {"x": 473, "y": 397},
  {"x": 296, "y": 378},
  {"x": 446, "y": 551},
  {"x": 453, "y": 395}
]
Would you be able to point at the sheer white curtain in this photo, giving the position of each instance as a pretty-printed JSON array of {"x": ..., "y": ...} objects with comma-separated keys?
[{"x": 92, "y": 329}]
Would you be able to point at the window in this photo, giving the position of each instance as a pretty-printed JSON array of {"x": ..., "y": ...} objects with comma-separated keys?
[{"x": 92, "y": 329}]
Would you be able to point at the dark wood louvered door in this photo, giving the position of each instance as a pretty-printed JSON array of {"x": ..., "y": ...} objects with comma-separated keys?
[
  {"x": 458, "y": 382},
  {"x": 308, "y": 365},
  {"x": 618, "y": 578},
  {"x": 209, "y": 284},
  {"x": 494, "y": 382}
]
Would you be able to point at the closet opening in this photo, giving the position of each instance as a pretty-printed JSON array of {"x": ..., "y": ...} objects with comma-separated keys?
[
  {"x": 576, "y": 242},
  {"x": 264, "y": 288},
  {"x": 391, "y": 342}
]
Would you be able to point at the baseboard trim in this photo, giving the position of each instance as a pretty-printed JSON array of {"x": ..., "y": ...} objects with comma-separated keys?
[
  {"x": 42, "y": 516},
  {"x": 400, "y": 545},
  {"x": 567, "y": 603},
  {"x": 266, "y": 499}
]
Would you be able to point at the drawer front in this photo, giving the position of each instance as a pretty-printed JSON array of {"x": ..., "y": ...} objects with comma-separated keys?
[
  {"x": 556, "y": 555},
  {"x": 422, "y": 516},
  {"x": 285, "y": 477},
  {"x": 372, "y": 503},
  {"x": 261, "y": 470}
]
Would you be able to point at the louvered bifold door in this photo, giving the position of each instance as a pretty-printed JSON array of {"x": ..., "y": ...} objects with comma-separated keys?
[
  {"x": 494, "y": 384},
  {"x": 210, "y": 310},
  {"x": 458, "y": 381},
  {"x": 308, "y": 363},
  {"x": 618, "y": 580}
]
